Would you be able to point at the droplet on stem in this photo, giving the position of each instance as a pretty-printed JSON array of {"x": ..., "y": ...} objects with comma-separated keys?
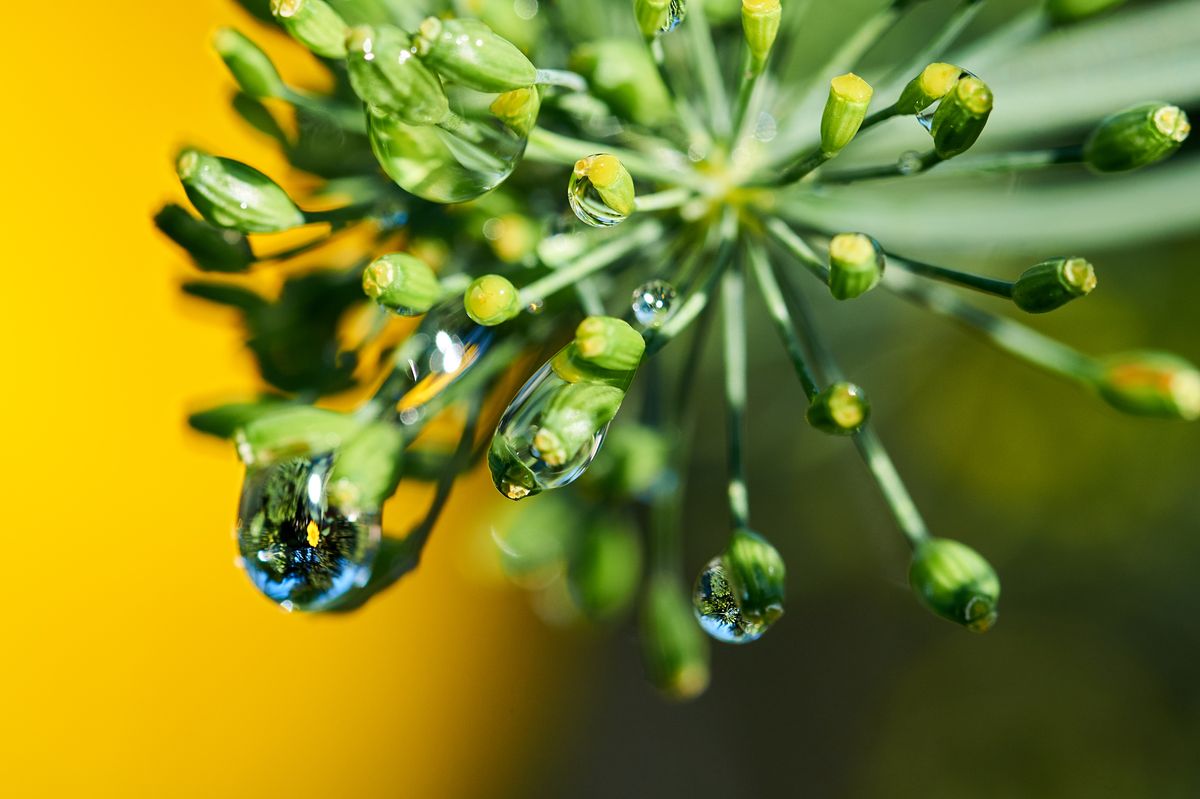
[{"x": 652, "y": 302}]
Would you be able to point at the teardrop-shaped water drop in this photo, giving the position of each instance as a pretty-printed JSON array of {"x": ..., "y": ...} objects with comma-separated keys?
[
  {"x": 589, "y": 204},
  {"x": 719, "y": 610},
  {"x": 304, "y": 543},
  {"x": 550, "y": 433},
  {"x": 471, "y": 152},
  {"x": 652, "y": 302},
  {"x": 909, "y": 162},
  {"x": 441, "y": 350}
]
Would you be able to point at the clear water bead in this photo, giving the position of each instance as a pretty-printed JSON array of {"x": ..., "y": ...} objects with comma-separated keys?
[
  {"x": 909, "y": 162},
  {"x": 589, "y": 206},
  {"x": 676, "y": 11},
  {"x": 302, "y": 544},
  {"x": 652, "y": 302},
  {"x": 719, "y": 611}
]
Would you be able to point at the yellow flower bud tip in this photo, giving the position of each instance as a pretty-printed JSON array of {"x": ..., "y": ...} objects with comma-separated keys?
[
  {"x": 602, "y": 170},
  {"x": 609, "y": 342},
  {"x": 1172, "y": 122},
  {"x": 187, "y": 164},
  {"x": 846, "y": 406},
  {"x": 550, "y": 448},
  {"x": 760, "y": 6},
  {"x": 1079, "y": 275},
  {"x": 1152, "y": 384},
  {"x": 513, "y": 103},
  {"x": 359, "y": 39},
  {"x": 853, "y": 249},
  {"x": 938, "y": 79},
  {"x": 851, "y": 88},
  {"x": 491, "y": 300},
  {"x": 314, "y": 533},
  {"x": 974, "y": 95},
  {"x": 286, "y": 8},
  {"x": 688, "y": 682}
]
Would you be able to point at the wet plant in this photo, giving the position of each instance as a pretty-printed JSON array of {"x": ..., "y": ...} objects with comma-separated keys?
[{"x": 564, "y": 198}]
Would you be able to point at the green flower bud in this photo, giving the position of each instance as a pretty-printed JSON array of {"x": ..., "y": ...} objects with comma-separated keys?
[
  {"x": 609, "y": 343},
  {"x": 231, "y": 194},
  {"x": 760, "y": 26},
  {"x": 212, "y": 248},
  {"x": 651, "y": 16},
  {"x": 511, "y": 476},
  {"x": 1072, "y": 10},
  {"x": 757, "y": 576},
  {"x": 956, "y": 583},
  {"x": 622, "y": 74},
  {"x": 1052, "y": 284},
  {"x": 841, "y": 409},
  {"x": 491, "y": 300},
  {"x": 856, "y": 264},
  {"x": 387, "y": 75},
  {"x": 849, "y": 96},
  {"x": 1148, "y": 383},
  {"x": 934, "y": 82},
  {"x": 960, "y": 117},
  {"x": 606, "y": 569},
  {"x": 572, "y": 417},
  {"x": 293, "y": 430},
  {"x": 611, "y": 180},
  {"x": 249, "y": 65},
  {"x": 518, "y": 109},
  {"x": 367, "y": 466},
  {"x": 468, "y": 52},
  {"x": 1136, "y": 137},
  {"x": 314, "y": 24},
  {"x": 401, "y": 283},
  {"x": 574, "y": 368},
  {"x": 634, "y": 459},
  {"x": 674, "y": 649}
]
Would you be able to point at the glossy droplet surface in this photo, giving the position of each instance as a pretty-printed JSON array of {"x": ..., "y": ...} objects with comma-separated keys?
[
  {"x": 303, "y": 542},
  {"x": 719, "y": 610},
  {"x": 518, "y": 469},
  {"x": 652, "y": 302},
  {"x": 909, "y": 162},
  {"x": 676, "y": 11},
  {"x": 442, "y": 349},
  {"x": 925, "y": 117},
  {"x": 469, "y": 154},
  {"x": 588, "y": 205}
]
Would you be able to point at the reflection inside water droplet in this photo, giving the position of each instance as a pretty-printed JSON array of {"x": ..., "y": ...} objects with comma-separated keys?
[
  {"x": 676, "y": 11},
  {"x": 588, "y": 203},
  {"x": 652, "y": 302},
  {"x": 719, "y": 610}
]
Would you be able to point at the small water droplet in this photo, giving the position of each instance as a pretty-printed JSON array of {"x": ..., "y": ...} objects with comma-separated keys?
[
  {"x": 442, "y": 350},
  {"x": 718, "y": 609},
  {"x": 676, "y": 11},
  {"x": 588, "y": 204},
  {"x": 536, "y": 307},
  {"x": 652, "y": 302},
  {"x": 525, "y": 9},
  {"x": 766, "y": 128},
  {"x": 909, "y": 162}
]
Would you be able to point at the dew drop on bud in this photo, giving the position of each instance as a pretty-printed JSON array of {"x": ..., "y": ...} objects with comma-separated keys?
[
  {"x": 445, "y": 346},
  {"x": 589, "y": 206},
  {"x": 652, "y": 303},
  {"x": 304, "y": 542},
  {"x": 719, "y": 610}
]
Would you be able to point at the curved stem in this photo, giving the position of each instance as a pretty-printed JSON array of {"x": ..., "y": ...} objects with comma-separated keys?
[
  {"x": 772, "y": 295},
  {"x": 986, "y": 285},
  {"x": 908, "y": 518},
  {"x": 591, "y": 261},
  {"x": 901, "y": 168},
  {"x": 562, "y": 78}
]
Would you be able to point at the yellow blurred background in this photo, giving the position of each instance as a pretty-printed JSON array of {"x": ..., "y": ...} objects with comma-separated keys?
[{"x": 138, "y": 661}]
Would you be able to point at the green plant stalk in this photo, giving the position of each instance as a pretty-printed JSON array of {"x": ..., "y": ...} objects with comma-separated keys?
[
  {"x": 798, "y": 249},
  {"x": 553, "y": 148},
  {"x": 708, "y": 67},
  {"x": 772, "y": 295},
  {"x": 563, "y": 79},
  {"x": 937, "y": 45},
  {"x": 733, "y": 315},
  {"x": 607, "y": 253},
  {"x": 986, "y": 285}
]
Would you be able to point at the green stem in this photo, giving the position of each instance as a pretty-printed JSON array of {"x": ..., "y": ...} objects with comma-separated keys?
[
  {"x": 607, "y": 253},
  {"x": 908, "y": 518},
  {"x": 708, "y": 66},
  {"x": 803, "y": 166},
  {"x": 553, "y": 148},
  {"x": 1016, "y": 162},
  {"x": 798, "y": 249},
  {"x": 733, "y": 314},
  {"x": 663, "y": 200},
  {"x": 902, "y": 168},
  {"x": 880, "y": 116},
  {"x": 562, "y": 78},
  {"x": 772, "y": 295},
  {"x": 746, "y": 88},
  {"x": 346, "y": 117},
  {"x": 697, "y": 301},
  {"x": 987, "y": 285},
  {"x": 937, "y": 45}
]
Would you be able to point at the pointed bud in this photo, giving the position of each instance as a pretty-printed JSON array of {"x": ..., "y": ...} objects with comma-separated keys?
[
  {"x": 849, "y": 96},
  {"x": 491, "y": 300},
  {"x": 402, "y": 284},
  {"x": 212, "y": 248},
  {"x": 609, "y": 343},
  {"x": 386, "y": 74},
  {"x": 1062, "y": 11},
  {"x": 249, "y": 65},
  {"x": 760, "y": 26},
  {"x": 856, "y": 265},
  {"x": 314, "y": 24},
  {"x": 961, "y": 117},
  {"x": 956, "y": 583},
  {"x": 1136, "y": 137},
  {"x": 231, "y": 194},
  {"x": 841, "y": 409},
  {"x": 573, "y": 416},
  {"x": 674, "y": 649},
  {"x": 468, "y": 52},
  {"x": 934, "y": 82},
  {"x": 1052, "y": 284},
  {"x": 757, "y": 575},
  {"x": 1148, "y": 383},
  {"x": 611, "y": 180}
]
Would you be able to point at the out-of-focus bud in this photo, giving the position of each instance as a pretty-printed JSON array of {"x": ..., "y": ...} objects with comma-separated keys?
[
  {"x": 314, "y": 24},
  {"x": 468, "y": 52},
  {"x": 249, "y": 65},
  {"x": 573, "y": 416},
  {"x": 849, "y": 96},
  {"x": 1074, "y": 10},
  {"x": 231, "y": 194},
  {"x": 1053, "y": 283},
  {"x": 518, "y": 109},
  {"x": 633, "y": 461},
  {"x": 956, "y": 583},
  {"x": 491, "y": 300},
  {"x": 609, "y": 343},
  {"x": 934, "y": 82},
  {"x": 213, "y": 249},
  {"x": 961, "y": 117},
  {"x": 621, "y": 73},
  {"x": 367, "y": 467},
  {"x": 387, "y": 75},
  {"x": 512, "y": 236},
  {"x": 293, "y": 430},
  {"x": 760, "y": 25},
  {"x": 674, "y": 649},
  {"x": 658, "y": 16},
  {"x": 1136, "y": 137},
  {"x": 841, "y": 409},
  {"x": 401, "y": 283},
  {"x": 856, "y": 264},
  {"x": 606, "y": 569},
  {"x": 1148, "y": 383}
]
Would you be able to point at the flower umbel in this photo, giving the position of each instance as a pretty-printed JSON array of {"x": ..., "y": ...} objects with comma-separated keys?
[{"x": 568, "y": 207}]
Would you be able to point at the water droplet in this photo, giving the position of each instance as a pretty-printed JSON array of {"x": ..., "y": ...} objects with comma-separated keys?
[
  {"x": 526, "y": 457},
  {"x": 525, "y": 9},
  {"x": 767, "y": 128},
  {"x": 588, "y": 204},
  {"x": 676, "y": 11},
  {"x": 302, "y": 545},
  {"x": 719, "y": 610},
  {"x": 909, "y": 162},
  {"x": 474, "y": 150},
  {"x": 652, "y": 302},
  {"x": 436, "y": 355},
  {"x": 536, "y": 307}
]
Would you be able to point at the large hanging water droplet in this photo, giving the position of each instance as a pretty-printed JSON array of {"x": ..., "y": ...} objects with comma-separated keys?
[
  {"x": 549, "y": 433},
  {"x": 445, "y": 346},
  {"x": 303, "y": 542},
  {"x": 470, "y": 153},
  {"x": 676, "y": 11},
  {"x": 719, "y": 609},
  {"x": 593, "y": 205},
  {"x": 652, "y": 302}
]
